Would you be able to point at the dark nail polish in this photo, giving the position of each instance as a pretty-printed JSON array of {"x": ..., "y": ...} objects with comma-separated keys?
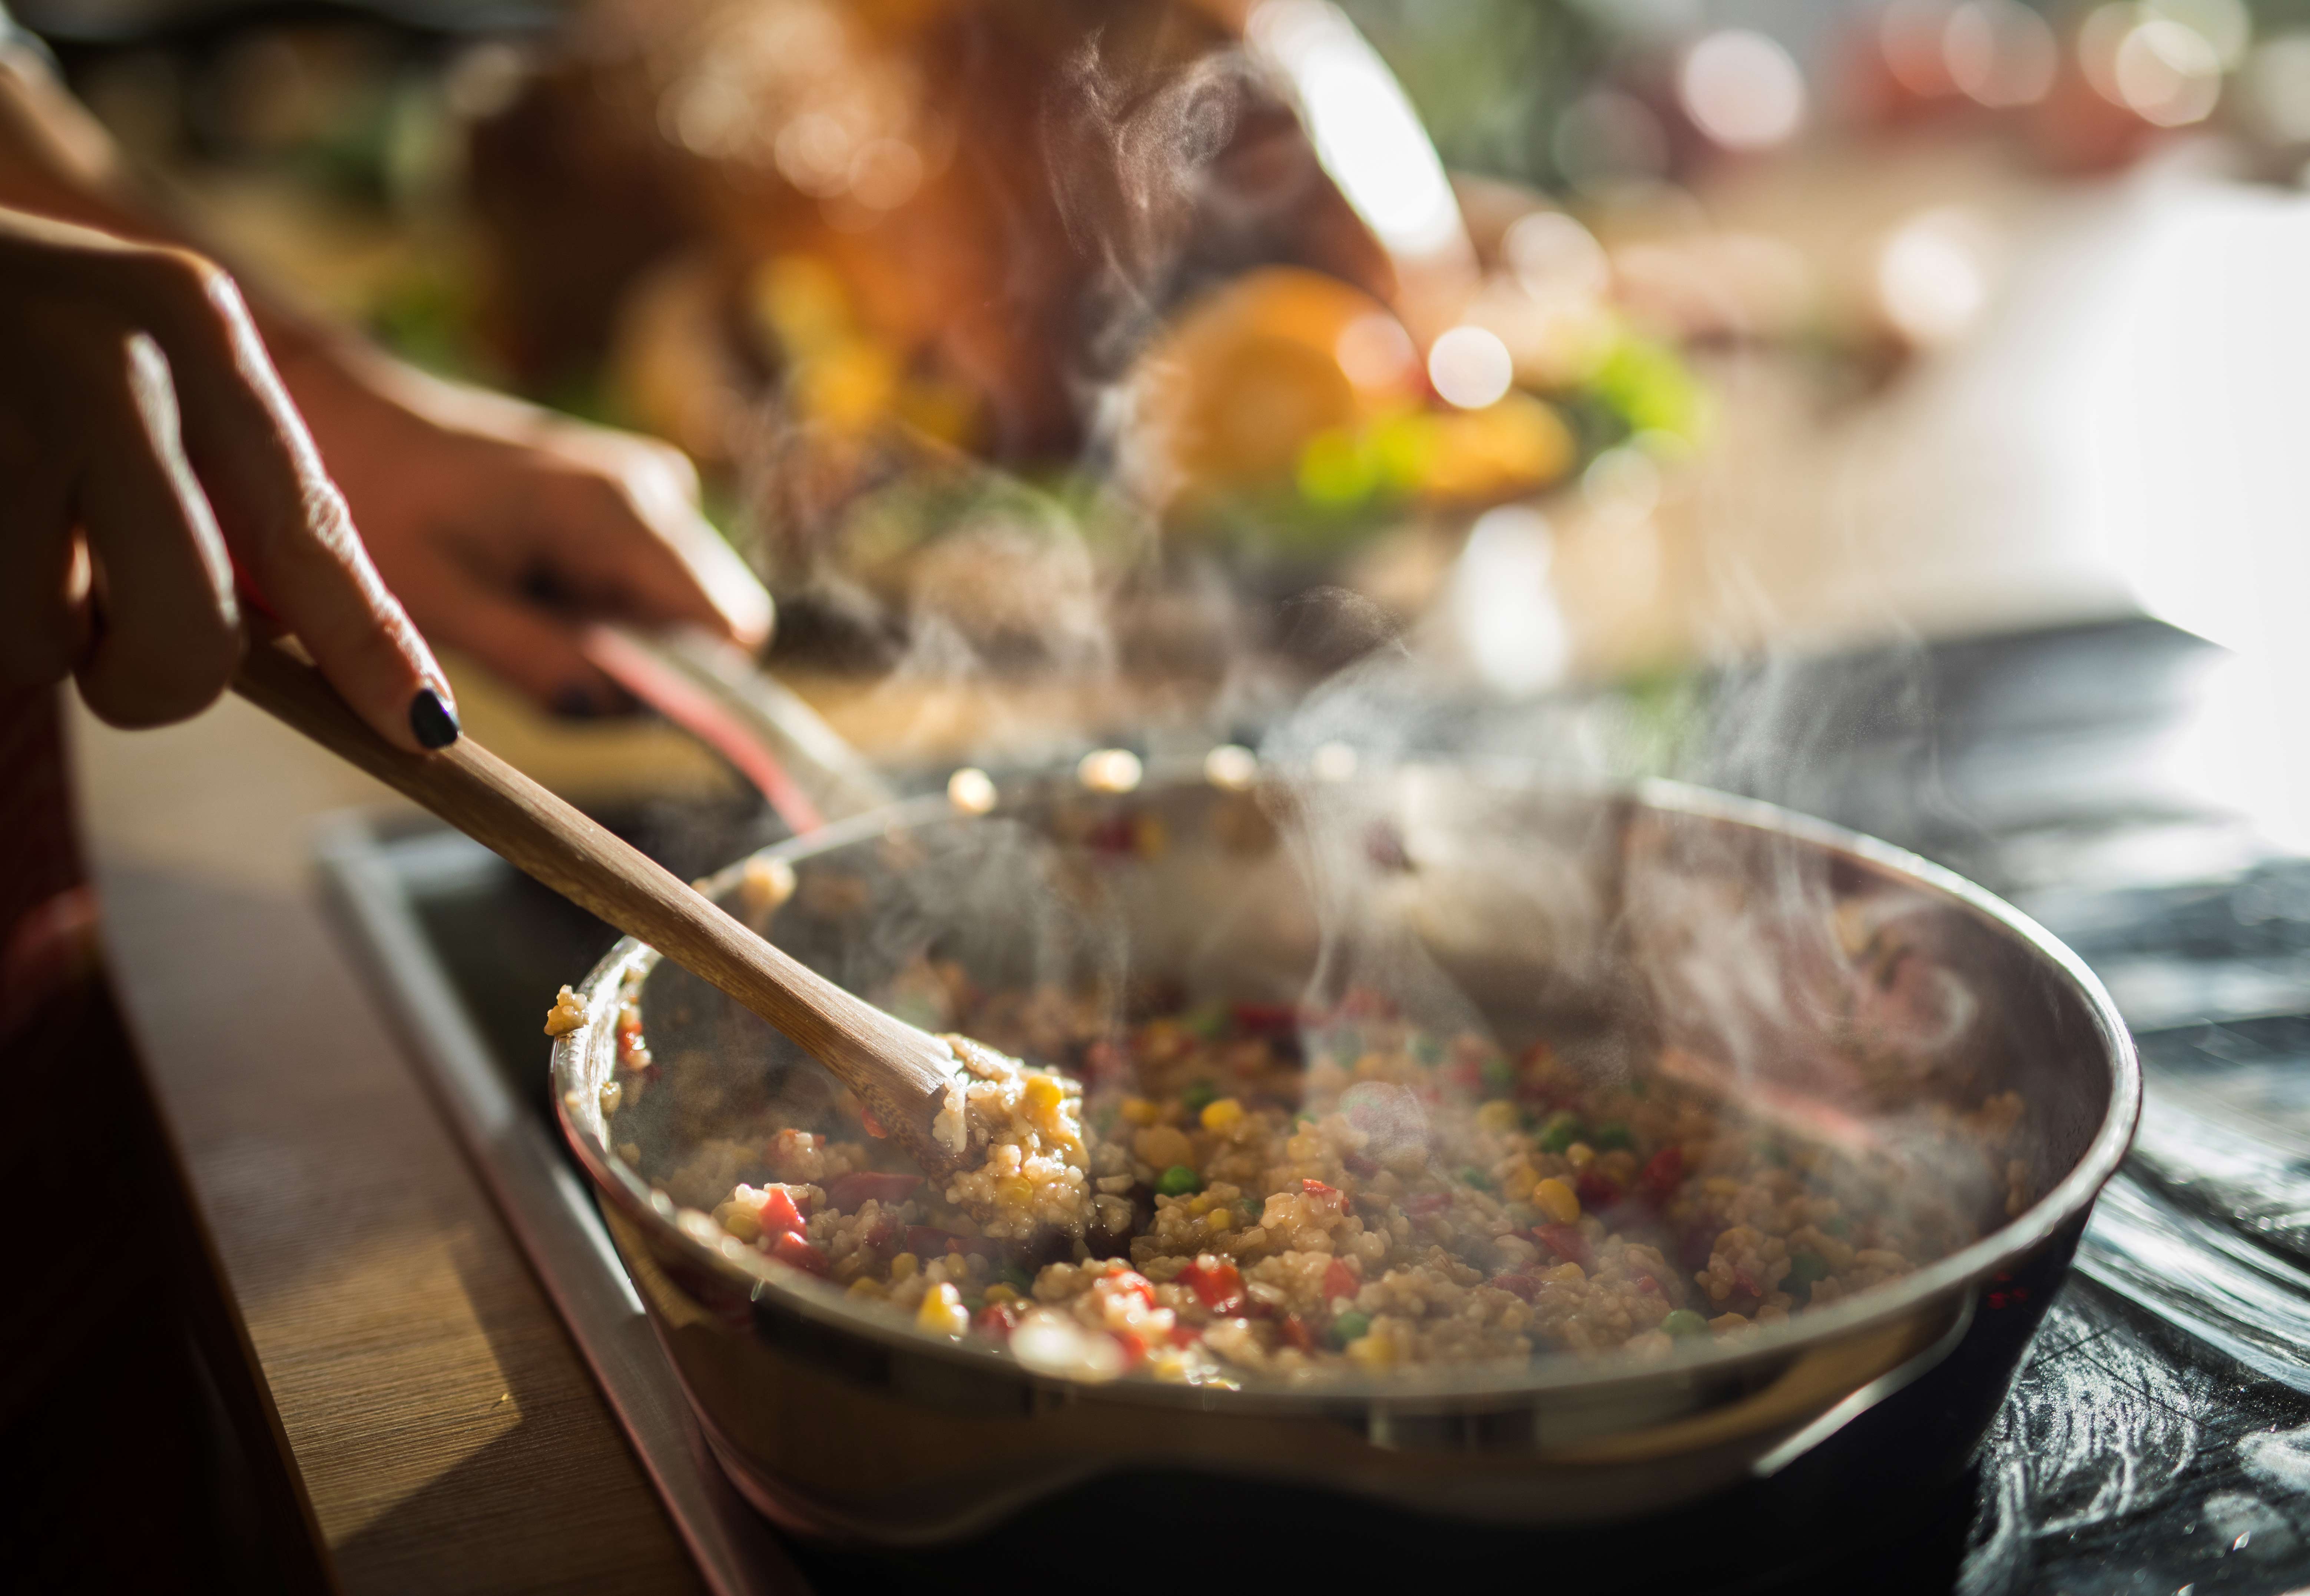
[
  {"x": 434, "y": 722},
  {"x": 575, "y": 703}
]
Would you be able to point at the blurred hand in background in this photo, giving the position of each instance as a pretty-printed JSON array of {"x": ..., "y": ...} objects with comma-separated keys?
[{"x": 152, "y": 439}]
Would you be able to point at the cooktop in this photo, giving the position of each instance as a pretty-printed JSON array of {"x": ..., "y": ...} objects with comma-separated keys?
[{"x": 2158, "y": 1437}]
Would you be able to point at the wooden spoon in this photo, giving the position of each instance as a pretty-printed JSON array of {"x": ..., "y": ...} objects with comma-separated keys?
[{"x": 899, "y": 1072}]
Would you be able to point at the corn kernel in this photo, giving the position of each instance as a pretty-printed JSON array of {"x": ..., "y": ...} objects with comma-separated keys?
[
  {"x": 1553, "y": 1198},
  {"x": 1220, "y": 1219},
  {"x": 999, "y": 1292},
  {"x": 1580, "y": 1155},
  {"x": 1043, "y": 1093},
  {"x": 1498, "y": 1116},
  {"x": 864, "y": 1287},
  {"x": 1517, "y": 1187},
  {"x": 942, "y": 1311},
  {"x": 1570, "y": 1274},
  {"x": 903, "y": 1266},
  {"x": 1220, "y": 1115},
  {"x": 1138, "y": 1111},
  {"x": 1373, "y": 1351}
]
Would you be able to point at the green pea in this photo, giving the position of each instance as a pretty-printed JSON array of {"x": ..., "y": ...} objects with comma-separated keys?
[
  {"x": 1804, "y": 1269},
  {"x": 1684, "y": 1321},
  {"x": 1476, "y": 1179},
  {"x": 1497, "y": 1075},
  {"x": 1349, "y": 1326},
  {"x": 1199, "y": 1095},
  {"x": 1428, "y": 1051},
  {"x": 1178, "y": 1181},
  {"x": 1561, "y": 1131},
  {"x": 1612, "y": 1136}
]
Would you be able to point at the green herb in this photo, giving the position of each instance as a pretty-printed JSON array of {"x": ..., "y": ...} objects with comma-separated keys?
[
  {"x": 1199, "y": 1095},
  {"x": 1804, "y": 1269},
  {"x": 1561, "y": 1131},
  {"x": 1476, "y": 1179},
  {"x": 1612, "y": 1136}
]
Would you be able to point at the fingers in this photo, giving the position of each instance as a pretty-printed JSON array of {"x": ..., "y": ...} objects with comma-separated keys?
[
  {"x": 626, "y": 523},
  {"x": 41, "y": 634},
  {"x": 279, "y": 511},
  {"x": 530, "y": 648},
  {"x": 169, "y": 631}
]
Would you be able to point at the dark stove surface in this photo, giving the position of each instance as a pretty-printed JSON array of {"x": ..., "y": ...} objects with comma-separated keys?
[{"x": 2157, "y": 1437}]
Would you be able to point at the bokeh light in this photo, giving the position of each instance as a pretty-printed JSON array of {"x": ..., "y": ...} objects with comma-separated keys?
[
  {"x": 1554, "y": 257},
  {"x": 1742, "y": 90},
  {"x": 2162, "y": 69},
  {"x": 1998, "y": 53},
  {"x": 1376, "y": 352},
  {"x": 1470, "y": 367},
  {"x": 1932, "y": 276}
]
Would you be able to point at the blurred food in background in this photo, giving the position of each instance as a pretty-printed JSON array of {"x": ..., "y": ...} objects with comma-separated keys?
[{"x": 1047, "y": 335}]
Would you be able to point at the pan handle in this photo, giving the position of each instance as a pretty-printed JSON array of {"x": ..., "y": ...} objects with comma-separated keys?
[
  {"x": 1899, "y": 1377},
  {"x": 717, "y": 692}
]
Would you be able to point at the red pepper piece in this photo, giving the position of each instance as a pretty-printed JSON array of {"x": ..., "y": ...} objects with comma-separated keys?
[
  {"x": 1266, "y": 1016},
  {"x": 1524, "y": 1285},
  {"x": 997, "y": 1320},
  {"x": 1137, "y": 1284},
  {"x": 873, "y": 1126},
  {"x": 1216, "y": 1283},
  {"x": 1597, "y": 1190},
  {"x": 1663, "y": 1174},
  {"x": 1425, "y": 1205},
  {"x": 779, "y": 1214},
  {"x": 1358, "y": 1166},
  {"x": 1649, "y": 1286},
  {"x": 1184, "y": 1335},
  {"x": 1298, "y": 1332},
  {"x": 791, "y": 1249},
  {"x": 928, "y": 1241},
  {"x": 1567, "y": 1243},
  {"x": 1339, "y": 1280},
  {"x": 847, "y": 1192},
  {"x": 1743, "y": 1280},
  {"x": 1134, "y": 1349}
]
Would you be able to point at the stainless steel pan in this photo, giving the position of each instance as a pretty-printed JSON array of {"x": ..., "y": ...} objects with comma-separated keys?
[{"x": 1822, "y": 972}]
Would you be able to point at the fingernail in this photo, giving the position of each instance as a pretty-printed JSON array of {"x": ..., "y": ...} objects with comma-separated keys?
[
  {"x": 434, "y": 722},
  {"x": 575, "y": 703}
]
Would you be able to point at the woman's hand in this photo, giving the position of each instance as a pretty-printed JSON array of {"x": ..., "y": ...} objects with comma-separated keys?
[
  {"x": 147, "y": 450},
  {"x": 503, "y": 527}
]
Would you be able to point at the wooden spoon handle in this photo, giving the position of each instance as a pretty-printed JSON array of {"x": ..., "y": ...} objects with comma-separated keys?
[{"x": 899, "y": 1072}]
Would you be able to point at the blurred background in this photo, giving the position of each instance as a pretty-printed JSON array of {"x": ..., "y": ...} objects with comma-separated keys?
[{"x": 1062, "y": 363}]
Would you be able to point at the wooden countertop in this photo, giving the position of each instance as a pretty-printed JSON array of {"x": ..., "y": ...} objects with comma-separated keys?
[{"x": 450, "y": 1436}]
